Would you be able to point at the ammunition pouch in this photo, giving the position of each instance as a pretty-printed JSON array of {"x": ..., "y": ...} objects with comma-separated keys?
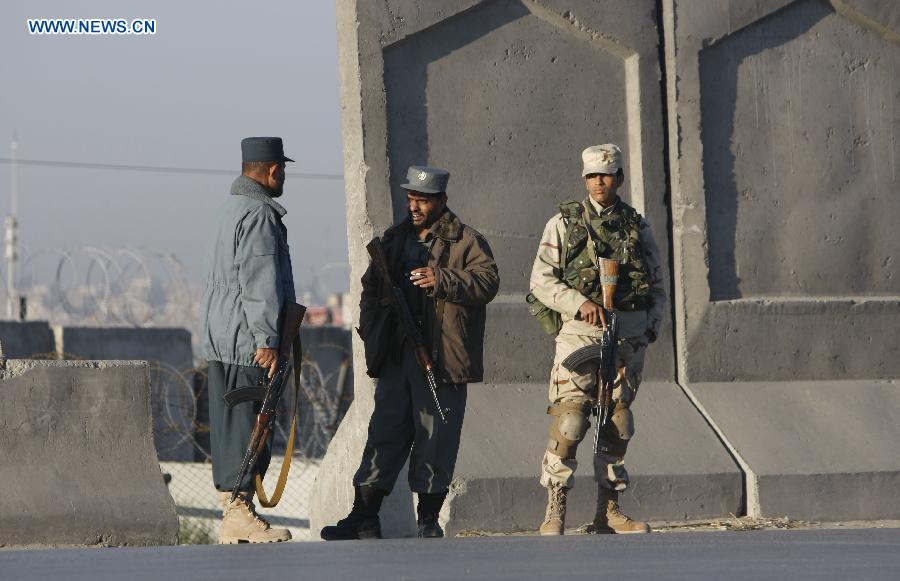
[
  {"x": 550, "y": 320},
  {"x": 587, "y": 280},
  {"x": 568, "y": 427}
]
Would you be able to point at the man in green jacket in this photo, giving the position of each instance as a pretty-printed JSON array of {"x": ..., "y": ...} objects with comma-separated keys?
[
  {"x": 447, "y": 273},
  {"x": 248, "y": 281}
]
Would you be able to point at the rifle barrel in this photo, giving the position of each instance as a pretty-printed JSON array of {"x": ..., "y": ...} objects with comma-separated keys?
[{"x": 432, "y": 386}]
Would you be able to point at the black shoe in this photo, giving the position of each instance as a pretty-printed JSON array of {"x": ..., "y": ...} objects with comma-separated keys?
[
  {"x": 362, "y": 522},
  {"x": 428, "y": 507},
  {"x": 353, "y": 528},
  {"x": 429, "y": 528}
]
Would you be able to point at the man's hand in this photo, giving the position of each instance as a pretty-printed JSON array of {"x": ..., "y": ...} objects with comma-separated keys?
[
  {"x": 267, "y": 358},
  {"x": 423, "y": 277},
  {"x": 591, "y": 312},
  {"x": 651, "y": 335}
]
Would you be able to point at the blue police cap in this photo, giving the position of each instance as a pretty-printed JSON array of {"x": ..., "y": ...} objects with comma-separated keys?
[
  {"x": 426, "y": 180},
  {"x": 263, "y": 149}
]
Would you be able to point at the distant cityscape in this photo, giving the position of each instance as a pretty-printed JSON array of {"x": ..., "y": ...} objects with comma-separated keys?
[{"x": 132, "y": 288}]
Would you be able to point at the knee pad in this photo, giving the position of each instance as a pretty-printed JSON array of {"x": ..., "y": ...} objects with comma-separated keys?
[
  {"x": 567, "y": 430},
  {"x": 623, "y": 421},
  {"x": 611, "y": 442}
]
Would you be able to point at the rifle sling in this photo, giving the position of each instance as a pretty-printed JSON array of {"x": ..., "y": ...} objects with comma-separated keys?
[
  {"x": 264, "y": 500},
  {"x": 591, "y": 249}
]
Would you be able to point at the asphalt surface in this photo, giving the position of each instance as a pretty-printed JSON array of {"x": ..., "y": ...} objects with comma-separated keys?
[{"x": 795, "y": 555}]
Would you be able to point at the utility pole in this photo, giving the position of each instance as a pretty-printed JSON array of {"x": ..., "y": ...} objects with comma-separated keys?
[{"x": 12, "y": 234}]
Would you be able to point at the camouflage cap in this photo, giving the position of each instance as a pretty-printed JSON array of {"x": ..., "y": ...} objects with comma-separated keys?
[
  {"x": 426, "y": 180},
  {"x": 606, "y": 158}
]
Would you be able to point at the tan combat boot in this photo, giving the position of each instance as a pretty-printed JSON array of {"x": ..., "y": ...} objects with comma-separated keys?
[
  {"x": 555, "y": 519},
  {"x": 609, "y": 518},
  {"x": 241, "y": 524}
]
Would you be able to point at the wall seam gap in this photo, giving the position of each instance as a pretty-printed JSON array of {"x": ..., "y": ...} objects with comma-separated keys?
[{"x": 750, "y": 505}]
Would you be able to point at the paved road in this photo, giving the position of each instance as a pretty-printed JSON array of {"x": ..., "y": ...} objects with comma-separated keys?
[{"x": 794, "y": 555}]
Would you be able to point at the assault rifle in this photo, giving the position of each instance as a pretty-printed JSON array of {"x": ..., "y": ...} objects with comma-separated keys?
[
  {"x": 604, "y": 352},
  {"x": 270, "y": 392},
  {"x": 401, "y": 309}
]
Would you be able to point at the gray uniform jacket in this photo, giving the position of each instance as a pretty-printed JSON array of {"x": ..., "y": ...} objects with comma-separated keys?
[{"x": 248, "y": 278}]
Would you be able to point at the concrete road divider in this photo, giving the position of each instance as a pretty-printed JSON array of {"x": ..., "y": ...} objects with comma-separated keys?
[{"x": 77, "y": 461}]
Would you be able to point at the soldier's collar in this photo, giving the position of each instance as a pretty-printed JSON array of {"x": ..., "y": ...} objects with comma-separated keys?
[
  {"x": 599, "y": 210},
  {"x": 244, "y": 186},
  {"x": 448, "y": 227}
]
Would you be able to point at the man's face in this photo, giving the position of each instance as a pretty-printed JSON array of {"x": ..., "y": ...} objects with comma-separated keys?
[
  {"x": 425, "y": 210},
  {"x": 276, "y": 180},
  {"x": 602, "y": 187}
]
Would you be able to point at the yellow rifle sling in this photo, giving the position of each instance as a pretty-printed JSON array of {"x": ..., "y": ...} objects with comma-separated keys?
[
  {"x": 282, "y": 476},
  {"x": 289, "y": 452}
]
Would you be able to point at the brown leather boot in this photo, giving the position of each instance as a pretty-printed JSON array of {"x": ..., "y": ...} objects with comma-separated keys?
[
  {"x": 609, "y": 518},
  {"x": 555, "y": 519},
  {"x": 241, "y": 524}
]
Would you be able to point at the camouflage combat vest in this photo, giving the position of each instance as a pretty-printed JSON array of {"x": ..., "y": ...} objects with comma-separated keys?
[{"x": 617, "y": 236}]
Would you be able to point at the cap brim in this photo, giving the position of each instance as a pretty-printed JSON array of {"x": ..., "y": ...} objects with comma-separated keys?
[
  {"x": 604, "y": 169},
  {"x": 286, "y": 158},
  {"x": 420, "y": 189}
]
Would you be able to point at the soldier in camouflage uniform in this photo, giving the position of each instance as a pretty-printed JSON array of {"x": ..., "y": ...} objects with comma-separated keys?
[{"x": 562, "y": 280}]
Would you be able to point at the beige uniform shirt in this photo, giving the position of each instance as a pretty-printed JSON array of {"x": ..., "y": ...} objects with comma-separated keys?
[{"x": 548, "y": 286}]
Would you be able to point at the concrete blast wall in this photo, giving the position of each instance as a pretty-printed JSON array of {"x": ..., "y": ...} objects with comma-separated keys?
[
  {"x": 772, "y": 391},
  {"x": 785, "y": 173},
  {"x": 77, "y": 462},
  {"x": 506, "y": 94}
]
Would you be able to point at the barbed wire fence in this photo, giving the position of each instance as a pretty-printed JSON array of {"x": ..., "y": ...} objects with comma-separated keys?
[
  {"x": 122, "y": 287},
  {"x": 141, "y": 288}
]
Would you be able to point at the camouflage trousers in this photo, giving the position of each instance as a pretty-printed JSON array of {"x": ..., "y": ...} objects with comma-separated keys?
[
  {"x": 581, "y": 386},
  {"x": 405, "y": 425}
]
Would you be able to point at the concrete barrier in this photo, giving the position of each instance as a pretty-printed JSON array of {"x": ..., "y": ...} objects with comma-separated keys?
[
  {"x": 77, "y": 461},
  {"x": 22, "y": 340},
  {"x": 779, "y": 123},
  {"x": 506, "y": 94},
  {"x": 168, "y": 345},
  {"x": 784, "y": 178},
  {"x": 169, "y": 352},
  {"x": 824, "y": 450},
  {"x": 678, "y": 471}
]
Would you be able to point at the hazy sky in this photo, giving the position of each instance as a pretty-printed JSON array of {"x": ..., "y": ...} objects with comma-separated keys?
[{"x": 213, "y": 73}]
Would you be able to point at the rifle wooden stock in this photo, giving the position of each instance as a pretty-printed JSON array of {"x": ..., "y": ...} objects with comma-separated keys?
[{"x": 609, "y": 278}]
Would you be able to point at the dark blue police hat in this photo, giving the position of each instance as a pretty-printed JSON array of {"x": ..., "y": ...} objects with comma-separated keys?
[{"x": 263, "y": 149}]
